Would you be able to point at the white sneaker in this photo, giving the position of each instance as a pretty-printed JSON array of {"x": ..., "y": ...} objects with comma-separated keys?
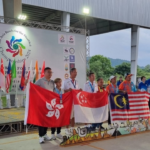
[
  {"x": 52, "y": 137},
  {"x": 59, "y": 136},
  {"x": 41, "y": 140},
  {"x": 47, "y": 138},
  {"x": 67, "y": 132}
]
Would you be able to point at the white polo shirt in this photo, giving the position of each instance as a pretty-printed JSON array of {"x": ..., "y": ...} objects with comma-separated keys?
[
  {"x": 69, "y": 84},
  {"x": 87, "y": 87}
]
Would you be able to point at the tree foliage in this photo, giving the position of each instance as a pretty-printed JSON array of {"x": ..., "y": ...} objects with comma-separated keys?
[
  {"x": 122, "y": 69},
  {"x": 101, "y": 66}
]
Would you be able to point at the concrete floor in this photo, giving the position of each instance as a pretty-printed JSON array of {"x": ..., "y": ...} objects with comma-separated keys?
[{"x": 22, "y": 141}]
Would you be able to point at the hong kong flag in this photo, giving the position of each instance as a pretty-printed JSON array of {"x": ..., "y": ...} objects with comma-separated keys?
[
  {"x": 90, "y": 107},
  {"x": 43, "y": 107}
]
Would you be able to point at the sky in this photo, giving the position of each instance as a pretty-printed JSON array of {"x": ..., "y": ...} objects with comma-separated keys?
[{"x": 118, "y": 45}]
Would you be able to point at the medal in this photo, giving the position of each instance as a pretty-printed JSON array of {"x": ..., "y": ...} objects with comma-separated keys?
[{"x": 60, "y": 101}]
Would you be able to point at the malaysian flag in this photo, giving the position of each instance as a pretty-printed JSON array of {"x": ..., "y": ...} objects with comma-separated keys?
[
  {"x": 8, "y": 77},
  {"x": 131, "y": 106}
]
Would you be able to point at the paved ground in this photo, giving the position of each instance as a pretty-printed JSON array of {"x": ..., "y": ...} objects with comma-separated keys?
[{"x": 140, "y": 141}]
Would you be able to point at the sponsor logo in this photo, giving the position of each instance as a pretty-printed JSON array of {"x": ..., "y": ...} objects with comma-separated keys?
[
  {"x": 62, "y": 39},
  {"x": 72, "y": 58},
  {"x": 71, "y": 40},
  {"x": 66, "y": 76},
  {"x": 71, "y": 50},
  {"x": 66, "y": 51},
  {"x": 66, "y": 58},
  {"x": 66, "y": 67},
  {"x": 72, "y": 65}
]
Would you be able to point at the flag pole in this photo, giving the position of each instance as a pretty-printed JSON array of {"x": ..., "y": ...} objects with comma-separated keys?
[
  {"x": 16, "y": 98},
  {"x": 1, "y": 102}
]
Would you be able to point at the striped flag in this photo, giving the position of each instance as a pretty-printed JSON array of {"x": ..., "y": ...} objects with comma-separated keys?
[
  {"x": 131, "y": 106},
  {"x": 8, "y": 77},
  {"x": 22, "y": 82},
  {"x": 36, "y": 74},
  {"x": 2, "y": 76},
  {"x": 29, "y": 72}
]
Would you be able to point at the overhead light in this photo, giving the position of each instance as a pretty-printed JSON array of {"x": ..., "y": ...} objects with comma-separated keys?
[
  {"x": 86, "y": 10},
  {"x": 22, "y": 17}
]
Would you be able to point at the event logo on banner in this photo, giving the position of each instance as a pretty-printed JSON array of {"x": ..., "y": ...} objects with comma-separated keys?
[
  {"x": 62, "y": 39},
  {"x": 15, "y": 44},
  {"x": 71, "y": 40}
]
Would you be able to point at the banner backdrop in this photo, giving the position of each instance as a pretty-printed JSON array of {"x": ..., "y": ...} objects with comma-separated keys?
[{"x": 60, "y": 51}]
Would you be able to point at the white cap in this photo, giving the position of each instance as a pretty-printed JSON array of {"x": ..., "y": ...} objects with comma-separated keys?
[{"x": 111, "y": 77}]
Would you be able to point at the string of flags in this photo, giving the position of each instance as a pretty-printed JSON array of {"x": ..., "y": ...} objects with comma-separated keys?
[{"x": 6, "y": 83}]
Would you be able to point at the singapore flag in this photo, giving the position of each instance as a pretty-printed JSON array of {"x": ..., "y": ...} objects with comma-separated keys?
[{"x": 90, "y": 107}]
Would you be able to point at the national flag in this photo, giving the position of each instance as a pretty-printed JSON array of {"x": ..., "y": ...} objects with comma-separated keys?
[
  {"x": 22, "y": 82},
  {"x": 90, "y": 107},
  {"x": 131, "y": 106},
  {"x": 36, "y": 73},
  {"x": 2, "y": 76},
  {"x": 29, "y": 72},
  {"x": 42, "y": 72},
  {"x": 13, "y": 74},
  {"x": 8, "y": 77},
  {"x": 43, "y": 107}
]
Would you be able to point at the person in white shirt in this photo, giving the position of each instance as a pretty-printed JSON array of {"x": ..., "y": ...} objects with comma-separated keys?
[
  {"x": 69, "y": 84},
  {"x": 91, "y": 87}
]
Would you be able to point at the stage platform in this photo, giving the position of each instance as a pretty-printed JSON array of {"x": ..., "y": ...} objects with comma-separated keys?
[
  {"x": 12, "y": 115},
  {"x": 12, "y": 121}
]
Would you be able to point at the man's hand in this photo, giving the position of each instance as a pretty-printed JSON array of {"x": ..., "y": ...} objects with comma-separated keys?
[{"x": 70, "y": 89}]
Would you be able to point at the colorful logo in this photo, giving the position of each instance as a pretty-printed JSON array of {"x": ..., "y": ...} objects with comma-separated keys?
[
  {"x": 66, "y": 76},
  {"x": 62, "y": 39},
  {"x": 71, "y": 38},
  {"x": 15, "y": 46},
  {"x": 66, "y": 67},
  {"x": 72, "y": 65},
  {"x": 71, "y": 50},
  {"x": 72, "y": 58}
]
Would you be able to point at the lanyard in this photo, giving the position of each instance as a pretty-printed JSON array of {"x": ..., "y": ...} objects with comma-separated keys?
[
  {"x": 92, "y": 87},
  {"x": 115, "y": 89},
  {"x": 74, "y": 85},
  {"x": 59, "y": 92}
]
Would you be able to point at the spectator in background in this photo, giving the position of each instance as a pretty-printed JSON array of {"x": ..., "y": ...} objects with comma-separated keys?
[
  {"x": 127, "y": 85},
  {"x": 108, "y": 82},
  {"x": 119, "y": 81},
  {"x": 112, "y": 87},
  {"x": 143, "y": 85}
]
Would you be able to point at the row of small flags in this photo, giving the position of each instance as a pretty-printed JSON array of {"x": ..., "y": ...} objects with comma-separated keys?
[{"x": 6, "y": 84}]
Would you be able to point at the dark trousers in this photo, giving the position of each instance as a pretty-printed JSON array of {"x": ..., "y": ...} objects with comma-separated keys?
[
  {"x": 42, "y": 131},
  {"x": 94, "y": 125},
  {"x": 54, "y": 129},
  {"x": 109, "y": 119}
]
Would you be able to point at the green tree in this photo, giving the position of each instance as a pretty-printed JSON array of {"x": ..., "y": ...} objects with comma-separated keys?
[
  {"x": 147, "y": 68},
  {"x": 101, "y": 66},
  {"x": 122, "y": 69}
]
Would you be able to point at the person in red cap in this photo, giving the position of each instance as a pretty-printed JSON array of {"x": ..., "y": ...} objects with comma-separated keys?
[{"x": 127, "y": 85}]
